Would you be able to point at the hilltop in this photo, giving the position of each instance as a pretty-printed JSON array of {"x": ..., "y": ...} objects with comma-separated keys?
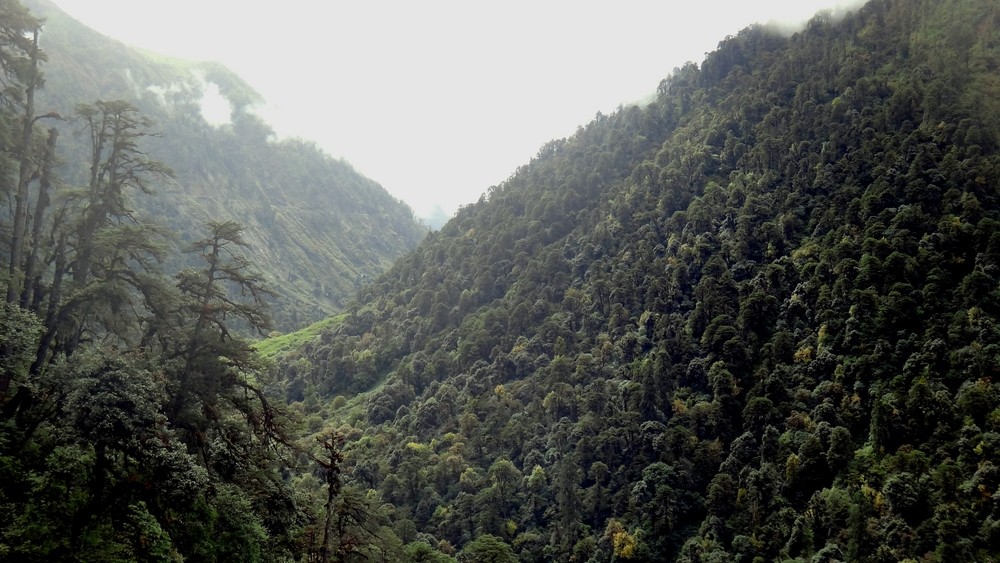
[
  {"x": 317, "y": 228},
  {"x": 756, "y": 318}
]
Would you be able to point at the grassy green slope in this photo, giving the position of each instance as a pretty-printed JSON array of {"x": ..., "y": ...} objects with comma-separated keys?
[{"x": 277, "y": 346}]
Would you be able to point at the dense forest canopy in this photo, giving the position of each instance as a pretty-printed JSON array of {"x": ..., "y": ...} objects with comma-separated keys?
[
  {"x": 134, "y": 422},
  {"x": 753, "y": 320}
]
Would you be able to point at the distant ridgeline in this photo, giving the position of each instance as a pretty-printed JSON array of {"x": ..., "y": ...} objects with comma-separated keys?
[
  {"x": 756, "y": 319},
  {"x": 316, "y": 228}
]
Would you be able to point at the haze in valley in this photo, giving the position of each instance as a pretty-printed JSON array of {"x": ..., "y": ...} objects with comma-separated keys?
[{"x": 439, "y": 100}]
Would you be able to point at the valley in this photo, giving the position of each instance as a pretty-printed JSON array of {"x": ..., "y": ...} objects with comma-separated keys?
[{"x": 755, "y": 319}]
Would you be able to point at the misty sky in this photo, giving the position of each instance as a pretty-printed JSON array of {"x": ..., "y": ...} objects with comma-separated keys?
[{"x": 437, "y": 100}]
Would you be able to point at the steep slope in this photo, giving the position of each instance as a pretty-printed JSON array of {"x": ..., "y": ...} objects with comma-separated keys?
[
  {"x": 757, "y": 318},
  {"x": 317, "y": 228}
]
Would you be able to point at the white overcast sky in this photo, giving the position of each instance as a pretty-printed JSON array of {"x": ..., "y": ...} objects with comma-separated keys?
[{"x": 437, "y": 100}]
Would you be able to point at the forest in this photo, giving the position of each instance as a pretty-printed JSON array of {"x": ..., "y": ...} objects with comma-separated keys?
[{"x": 753, "y": 320}]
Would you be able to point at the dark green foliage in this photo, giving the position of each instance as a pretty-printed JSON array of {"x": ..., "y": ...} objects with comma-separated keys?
[
  {"x": 488, "y": 549},
  {"x": 19, "y": 332},
  {"x": 756, "y": 318},
  {"x": 133, "y": 423}
]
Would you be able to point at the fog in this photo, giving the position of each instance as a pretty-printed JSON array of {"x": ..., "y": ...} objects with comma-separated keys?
[{"x": 437, "y": 100}]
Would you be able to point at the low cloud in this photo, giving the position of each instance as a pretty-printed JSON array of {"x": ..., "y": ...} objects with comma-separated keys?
[
  {"x": 215, "y": 108},
  {"x": 796, "y": 23}
]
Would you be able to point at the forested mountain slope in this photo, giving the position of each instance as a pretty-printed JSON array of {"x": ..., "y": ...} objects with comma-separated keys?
[
  {"x": 754, "y": 319},
  {"x": 135, "y": 424},
  {"x": 317, "y": 228}
]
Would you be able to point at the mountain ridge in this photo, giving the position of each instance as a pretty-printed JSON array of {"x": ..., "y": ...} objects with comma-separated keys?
[
  {"x": 314, "y": 219},
  {"x": 734, "y": 324}
]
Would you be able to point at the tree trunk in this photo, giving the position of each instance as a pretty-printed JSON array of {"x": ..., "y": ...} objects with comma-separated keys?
[
  {"x": 15, "y": 280},
  {"x": 52, "y": 312},
  {"x": 31, "y": 289}
]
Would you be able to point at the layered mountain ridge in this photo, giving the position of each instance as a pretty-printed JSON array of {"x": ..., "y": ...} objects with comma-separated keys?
[
  {"x": 753, "y": 320},
  {"x": 316, "y": 227}
]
